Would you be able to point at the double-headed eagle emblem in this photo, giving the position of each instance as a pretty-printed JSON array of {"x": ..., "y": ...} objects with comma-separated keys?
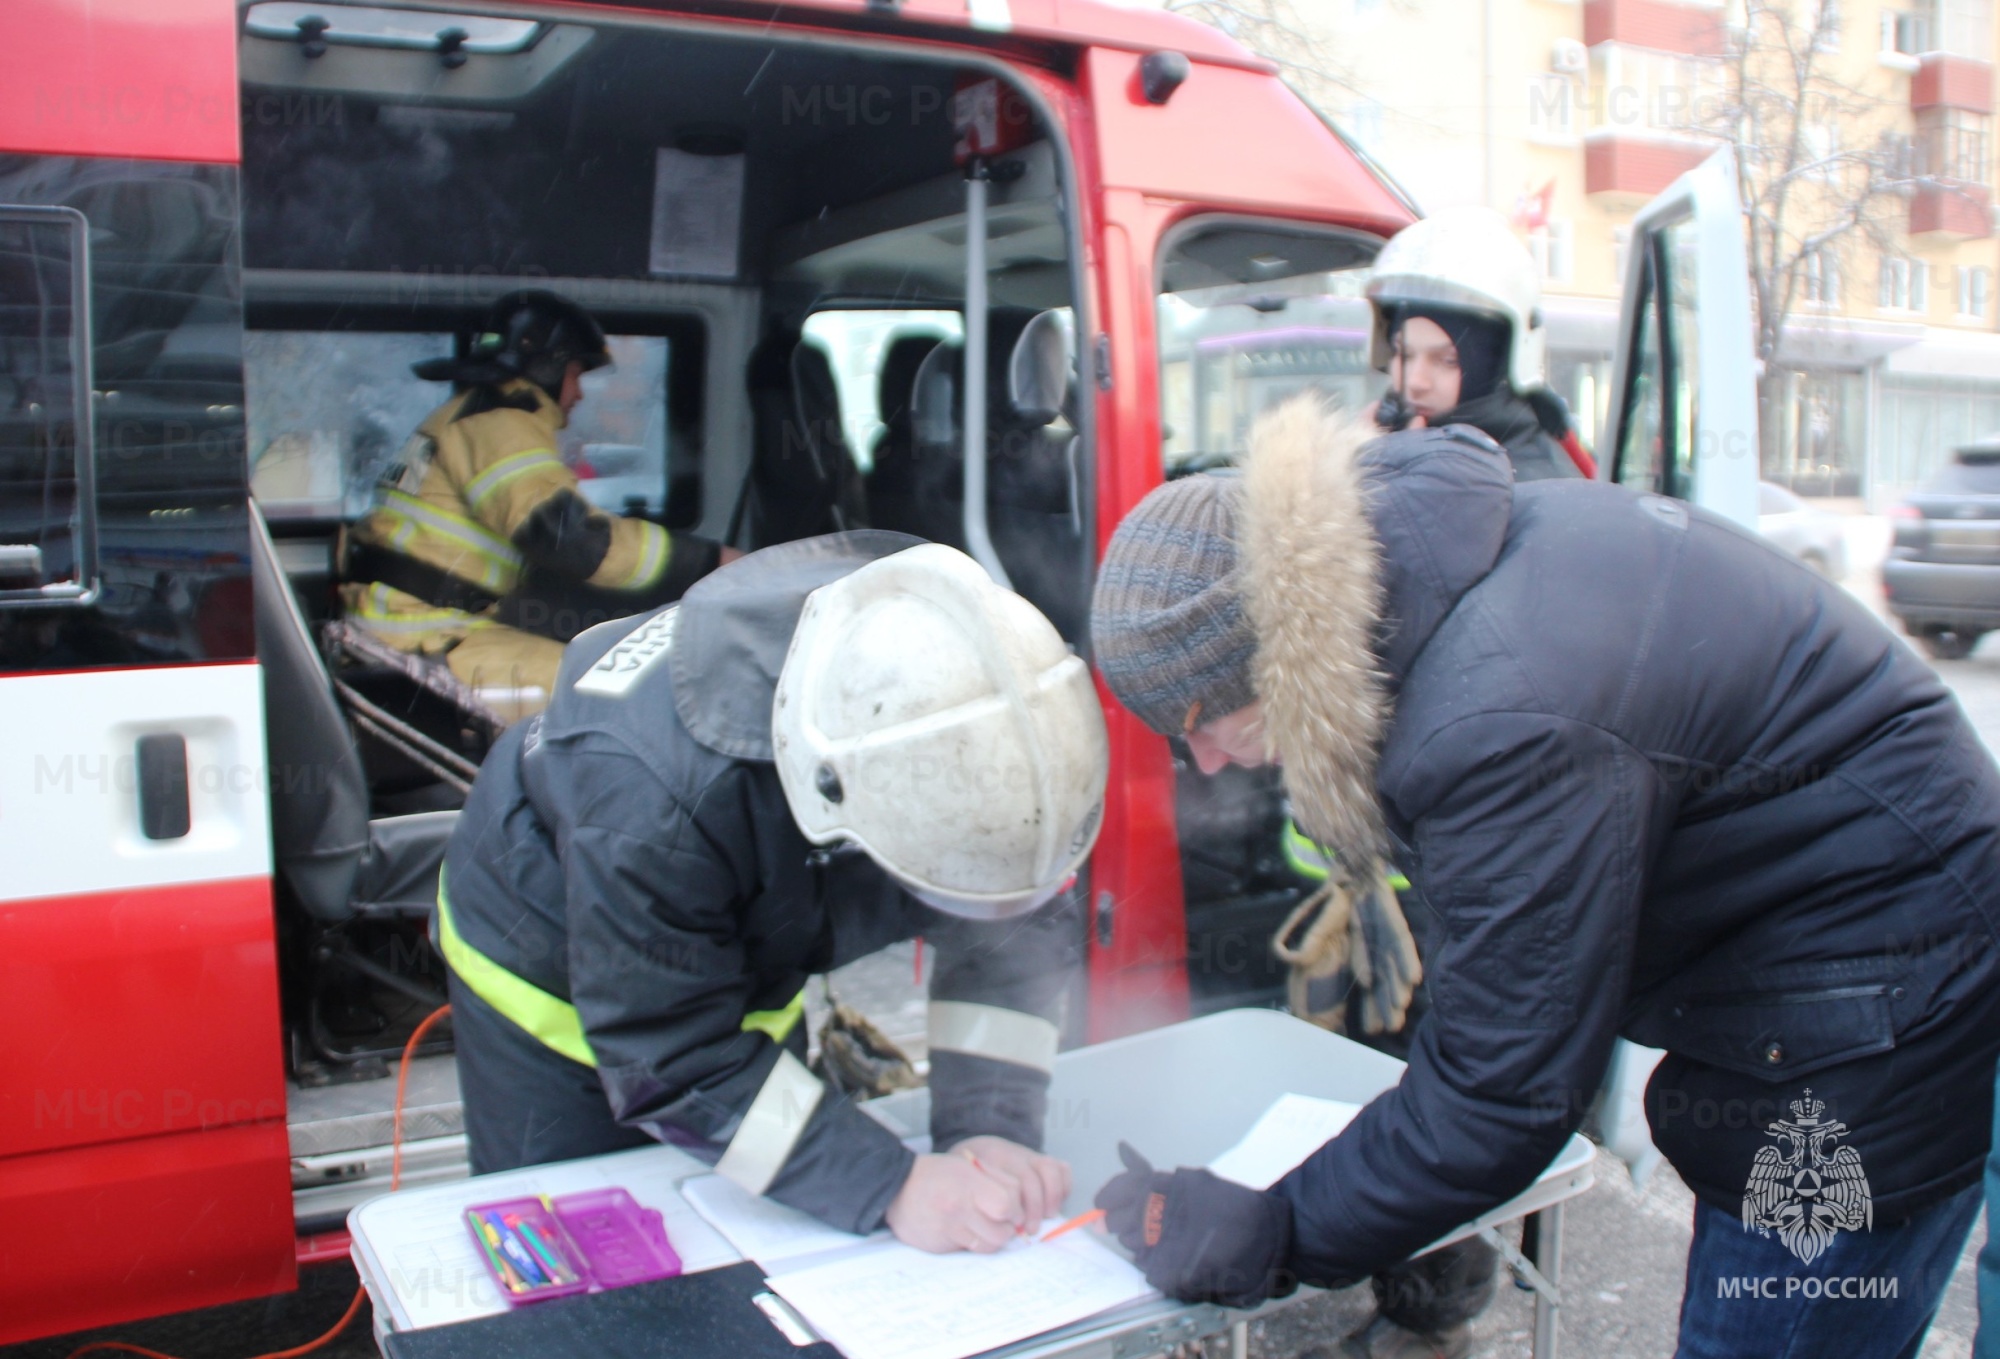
[{"x": 1809, "y": 1185}]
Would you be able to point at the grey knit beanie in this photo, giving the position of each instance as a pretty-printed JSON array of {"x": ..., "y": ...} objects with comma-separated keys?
[{"x": 1167, "y": 624}]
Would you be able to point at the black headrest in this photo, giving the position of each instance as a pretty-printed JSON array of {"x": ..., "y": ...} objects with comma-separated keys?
[{"x": 894, "y": 384}]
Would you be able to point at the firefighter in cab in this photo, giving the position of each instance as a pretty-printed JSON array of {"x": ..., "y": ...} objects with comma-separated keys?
[
  {"x": 479, "y": 528},
  {"x": 829, "y": 746},
  {"x": 1458, "y": 329}
]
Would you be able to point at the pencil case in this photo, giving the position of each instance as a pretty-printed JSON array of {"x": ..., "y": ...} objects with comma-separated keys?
[{"x": 577, "y": 1243}]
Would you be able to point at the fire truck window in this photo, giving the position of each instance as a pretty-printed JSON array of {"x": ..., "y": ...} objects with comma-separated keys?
[
  {"x": 329, "y": 410},
  {"x": 44, "y": 377},
  {"x": 859, "y": 345},
  {"x": 1250, "y": 314}
]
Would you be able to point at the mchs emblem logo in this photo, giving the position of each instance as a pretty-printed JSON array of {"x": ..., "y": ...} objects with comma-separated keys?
[{"x": 1808, "y": 1186}]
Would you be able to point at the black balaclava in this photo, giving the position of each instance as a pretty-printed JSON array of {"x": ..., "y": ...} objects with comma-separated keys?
[{"x": 1481, "y": 342}]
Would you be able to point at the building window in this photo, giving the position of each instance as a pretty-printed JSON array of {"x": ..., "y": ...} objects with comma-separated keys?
[
  {"x": 1632, "y": 87},
  {"x": 1953, "y": 144},
  {"x": 1906, "y": 32},
  {"x": 1826, "y": 38},
  {"x": 1821, "y": 284},
  {"x": 1551, "y": 107},
  {"x": 1964, "y": 28},
  {"x": 1902, "y": 285},
  {"x": 1554, "y": 247},
  {"x": 1974, "y": 282}
]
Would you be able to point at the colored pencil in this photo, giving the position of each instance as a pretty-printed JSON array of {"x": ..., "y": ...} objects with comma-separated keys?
[{"x": 1080, "y": 1220}]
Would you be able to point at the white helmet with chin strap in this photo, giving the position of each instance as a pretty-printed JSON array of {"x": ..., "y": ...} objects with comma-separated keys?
[
  {"x": 1471, "y": 260},
  {"x": 940, "y": 723}
]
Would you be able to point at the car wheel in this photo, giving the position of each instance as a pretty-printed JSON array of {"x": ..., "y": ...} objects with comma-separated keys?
[{"x": 1951, "y": 646}]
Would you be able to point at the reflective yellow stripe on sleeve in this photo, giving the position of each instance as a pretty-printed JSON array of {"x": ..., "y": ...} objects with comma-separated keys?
[
  {"x": 482, "y": 487},
  {"x": 654, "y": 547}
]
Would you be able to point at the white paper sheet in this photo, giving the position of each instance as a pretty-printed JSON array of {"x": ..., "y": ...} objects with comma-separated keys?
[
  {"x": 762, "y": 1229},
  {"x": 697, "y": 213},
  {"x": 892, "y": 1301},
  {"x": 1293, "y": 1128},
  {"x": 416, "y": 1248}
]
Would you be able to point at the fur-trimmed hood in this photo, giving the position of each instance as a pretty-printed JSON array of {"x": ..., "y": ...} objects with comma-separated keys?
[{"x": 1355, "y": 547}]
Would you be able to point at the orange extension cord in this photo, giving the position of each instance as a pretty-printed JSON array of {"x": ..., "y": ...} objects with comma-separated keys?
[{"x": 395, "y": 1180}]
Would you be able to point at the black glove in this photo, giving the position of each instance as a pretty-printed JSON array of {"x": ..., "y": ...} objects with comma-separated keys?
[{"x": 1198, "y": 1237}]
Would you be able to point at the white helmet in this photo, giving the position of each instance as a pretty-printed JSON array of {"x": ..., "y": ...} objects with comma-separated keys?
[
  {"x": 1469, "y": 259},
  {"x": 939, "y": 722}
]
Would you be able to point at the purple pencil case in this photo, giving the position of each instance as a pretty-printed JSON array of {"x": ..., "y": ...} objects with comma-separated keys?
[{"x": 578, "y": 1243}]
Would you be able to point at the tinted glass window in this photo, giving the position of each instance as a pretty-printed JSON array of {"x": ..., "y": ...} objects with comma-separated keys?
[
  {"x": 857, "y": 345},
  {"x": 44, "y": 380},
  {"x": 330, "y": 409},
  {"x": 1248, "y": 316}
]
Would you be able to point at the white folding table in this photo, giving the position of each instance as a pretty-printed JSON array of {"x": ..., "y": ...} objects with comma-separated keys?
[{"x": 1181, "y": 1094}]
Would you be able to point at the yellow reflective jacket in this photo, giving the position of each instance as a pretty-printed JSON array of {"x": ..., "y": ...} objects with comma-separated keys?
[{"x": 463, "y": 498}]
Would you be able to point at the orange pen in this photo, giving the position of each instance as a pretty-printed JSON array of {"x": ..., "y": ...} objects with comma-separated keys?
[{"x": 1080, "y": 1220}]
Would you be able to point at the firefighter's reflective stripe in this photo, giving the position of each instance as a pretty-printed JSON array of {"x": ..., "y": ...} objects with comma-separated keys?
[
  {"x": 991, "y": 1031},
  {"x": 1309, "y": 859},
  {"x": 764, "y": 1140},
  {"x": 380, "y": 612},
  {"x": 481, "y": 487},
  {"x": 552, "y": 1021},
  {"x": 654, "y": 547},
  {"x": 777, "y": 1025},
  {"x": 498, "y": 560}
]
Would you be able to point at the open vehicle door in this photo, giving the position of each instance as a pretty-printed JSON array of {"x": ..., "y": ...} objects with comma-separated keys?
[{"x": 1683, "y": 418}]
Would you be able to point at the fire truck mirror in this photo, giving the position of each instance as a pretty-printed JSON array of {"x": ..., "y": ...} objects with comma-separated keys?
[{"x": 163, "y": 786}]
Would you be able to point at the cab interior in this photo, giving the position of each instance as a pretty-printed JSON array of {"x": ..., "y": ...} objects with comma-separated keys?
[{"x": 774, "y": 234}]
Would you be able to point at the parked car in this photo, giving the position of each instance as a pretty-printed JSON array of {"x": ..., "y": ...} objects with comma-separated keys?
[
  {"x": 1807, "y": 532},
  {"x": 1942, "y": 578}
]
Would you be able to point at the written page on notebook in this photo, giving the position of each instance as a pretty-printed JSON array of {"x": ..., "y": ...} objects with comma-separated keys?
[{"x": 891, "y": 1301}]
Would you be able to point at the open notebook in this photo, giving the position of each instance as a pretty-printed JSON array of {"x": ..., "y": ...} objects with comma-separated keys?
[{"x": 876, "y": 1298}]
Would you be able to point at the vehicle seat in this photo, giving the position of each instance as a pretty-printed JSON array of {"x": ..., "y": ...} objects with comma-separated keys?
[
  {"x": 335, "y": 861},
  {"x": 892, "y": 470},
  {"x": 1033, "y": 491},
  {"x": 803, "y": 477}
]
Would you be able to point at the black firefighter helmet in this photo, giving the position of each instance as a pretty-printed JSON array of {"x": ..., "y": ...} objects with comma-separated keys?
[{"x": 533, "y": 333}]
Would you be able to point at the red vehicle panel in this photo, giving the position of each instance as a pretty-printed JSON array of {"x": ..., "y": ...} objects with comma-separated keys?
[
  {"x": 159, "y": 1007},
  {"x": 109, "y": 1233},
  {"x": 154, "y": 79}
]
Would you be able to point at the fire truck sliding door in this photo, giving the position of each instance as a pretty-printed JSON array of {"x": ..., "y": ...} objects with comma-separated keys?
[
  {"x": 143, "y": 1156},
  {"x": 1684, "y": 399}
]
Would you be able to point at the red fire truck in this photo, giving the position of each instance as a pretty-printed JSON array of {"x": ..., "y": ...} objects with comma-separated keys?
[{"x": 846, "y": 250}]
